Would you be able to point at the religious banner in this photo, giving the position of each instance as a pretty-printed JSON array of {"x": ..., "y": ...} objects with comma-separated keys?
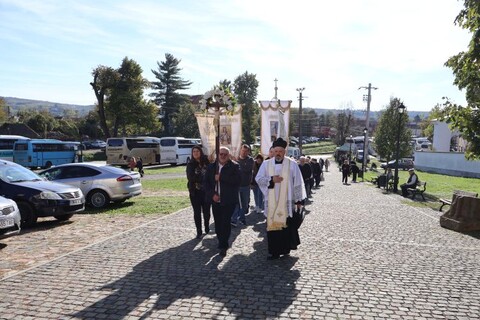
[
  {"x": 275, "y": 119},
  {"x": 230, "y": 134}
]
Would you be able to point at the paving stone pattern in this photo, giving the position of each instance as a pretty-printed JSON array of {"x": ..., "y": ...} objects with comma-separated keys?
[{"x": 364, "y": 255}]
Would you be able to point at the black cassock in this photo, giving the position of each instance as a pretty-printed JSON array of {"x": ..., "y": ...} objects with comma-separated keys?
[{"x": 282, "y": 241}]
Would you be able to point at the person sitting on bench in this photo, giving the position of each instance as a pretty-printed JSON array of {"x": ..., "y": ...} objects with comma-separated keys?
[
  {"x": 411, "y": 183},
  {"x": 385, "y": 178}
]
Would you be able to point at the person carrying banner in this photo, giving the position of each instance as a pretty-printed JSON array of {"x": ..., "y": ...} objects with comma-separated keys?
[
  {"x": 282, "y": 185},
  {"x": 222, "y": 181}
]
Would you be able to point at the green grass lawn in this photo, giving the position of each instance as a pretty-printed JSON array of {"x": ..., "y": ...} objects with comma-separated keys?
[
  {"x": 319, "y": 148},
  {"x": 167, "y": 195},
  {"x": 165, "y": 170},
  {"x": 438, "y": 185},
  {"x": 162, "y": 196}
]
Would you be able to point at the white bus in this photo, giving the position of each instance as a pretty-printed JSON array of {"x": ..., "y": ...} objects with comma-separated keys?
[
  {"x": 176, "y": 150},
  {"x": 120, "y": 150},
  {"x": 6, "y": 146}
]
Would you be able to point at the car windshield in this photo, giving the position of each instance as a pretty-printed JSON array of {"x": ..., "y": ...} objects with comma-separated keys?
[{"x": 11, "y": 173}]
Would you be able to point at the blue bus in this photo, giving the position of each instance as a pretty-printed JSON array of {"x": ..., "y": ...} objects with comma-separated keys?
[
  {"x": 6, "y": 146},
  {"x": 44, "y": 153}
]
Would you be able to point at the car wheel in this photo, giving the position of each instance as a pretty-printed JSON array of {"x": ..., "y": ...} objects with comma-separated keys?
[
  {"x": 48, "y": 164},
  {"x": 64, "y": 217},
  {"x": 28, "y": 217},
  {"x": 98, "y": 198}
]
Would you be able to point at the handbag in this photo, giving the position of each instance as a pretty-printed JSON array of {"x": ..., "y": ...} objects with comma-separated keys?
[{"x": 298, "y": 217}]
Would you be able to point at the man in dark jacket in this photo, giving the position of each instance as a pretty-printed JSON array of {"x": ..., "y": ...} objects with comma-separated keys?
[
  {"x": 221, "y": 189},
  {"x": 306, "y": 171},
  {"x": 246, "y": 170},
  {"x": 317, "y": 171}
]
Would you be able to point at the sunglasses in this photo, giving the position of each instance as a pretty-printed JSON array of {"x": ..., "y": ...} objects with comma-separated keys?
[{"x": 223, "y": 154}]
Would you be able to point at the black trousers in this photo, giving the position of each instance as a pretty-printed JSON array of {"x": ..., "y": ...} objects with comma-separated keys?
[
  {"x": 222, "y": 214},
  {"x": 199, "y": 205},
  {"x": 354, "y": 177},
  {"x": 317, "y": 180},
  {"x": 405, "y": 188},
  {"x": 344, "y": 177}
]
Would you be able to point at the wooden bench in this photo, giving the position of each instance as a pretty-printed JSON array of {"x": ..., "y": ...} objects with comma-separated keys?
[
  {"x": 457, "y": 193},
  {"x": 391, "y": 183},
  {"x": 419, "y": 190}
]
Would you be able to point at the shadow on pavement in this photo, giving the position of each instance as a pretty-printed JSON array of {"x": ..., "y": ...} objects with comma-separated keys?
[{"x": 246, "y": 286}]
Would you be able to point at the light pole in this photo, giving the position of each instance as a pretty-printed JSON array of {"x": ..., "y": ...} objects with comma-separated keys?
[
  {"x": 368, "y": 99},
  {"x": 350, "y": 153},
  {"x": 365, "y": 151},
  {"x": 300, "y": 98},
  {"x": 400, "y": 109}
]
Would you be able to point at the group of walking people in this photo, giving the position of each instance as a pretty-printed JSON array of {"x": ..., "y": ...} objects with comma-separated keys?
[{"x": 224, "y": 187}]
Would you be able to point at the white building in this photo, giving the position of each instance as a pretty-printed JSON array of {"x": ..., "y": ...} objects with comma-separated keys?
[{"x": 441, "y": 159}]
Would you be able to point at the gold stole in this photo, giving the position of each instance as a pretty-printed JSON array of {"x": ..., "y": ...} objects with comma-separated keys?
[{"x": 278, "y": 210}]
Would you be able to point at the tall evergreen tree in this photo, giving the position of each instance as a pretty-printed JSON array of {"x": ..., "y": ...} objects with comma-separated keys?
[
  {"x": 185, "y": 121},
  {"x": 245, "y": 88},
  {"x": 387, "y": 131},
  {"x": 167, "y": 87}
]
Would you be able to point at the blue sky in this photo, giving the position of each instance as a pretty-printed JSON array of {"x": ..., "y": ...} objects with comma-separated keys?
[{"x": 50, "y": 47}]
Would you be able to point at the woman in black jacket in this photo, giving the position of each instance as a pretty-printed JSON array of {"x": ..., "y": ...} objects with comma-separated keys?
[{"x": 196, "y": 169}]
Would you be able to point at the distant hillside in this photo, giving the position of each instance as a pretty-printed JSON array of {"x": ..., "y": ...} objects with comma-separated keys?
[
  {"x": 56, "y": 109},
  {"x": 360, "y": 114}
]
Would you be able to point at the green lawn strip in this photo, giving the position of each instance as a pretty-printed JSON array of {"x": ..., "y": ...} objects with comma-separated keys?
[
  {"x": 174, "y": 184},
  {"x": 318, "y": 148},
  {"x": 145, "y": 204},
  {"x": 165, "y": 170},
  {"x": 438, "y": 185}
]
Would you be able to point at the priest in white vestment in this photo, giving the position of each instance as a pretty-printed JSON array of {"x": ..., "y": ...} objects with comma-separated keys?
[{"x": 281, "y": 183}]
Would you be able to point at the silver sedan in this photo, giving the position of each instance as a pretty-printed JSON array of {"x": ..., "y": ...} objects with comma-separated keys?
[
  {"x": 101, "y": 184},
  {"x": 9, "y": 218}
]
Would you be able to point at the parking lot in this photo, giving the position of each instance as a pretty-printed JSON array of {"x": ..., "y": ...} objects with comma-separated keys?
[{"x": 364, "y": 255}]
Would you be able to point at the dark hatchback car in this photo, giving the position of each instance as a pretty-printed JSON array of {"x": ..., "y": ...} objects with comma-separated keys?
[
  {"x": 37, "y": 197},
  {"x": 403, "y": 164}
]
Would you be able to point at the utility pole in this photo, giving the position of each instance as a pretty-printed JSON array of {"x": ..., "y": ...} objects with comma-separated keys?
[
  {"x": 367, "y": 125},
  {"x": 276, "y": 89},
  {"x": 300, "y": 98}
]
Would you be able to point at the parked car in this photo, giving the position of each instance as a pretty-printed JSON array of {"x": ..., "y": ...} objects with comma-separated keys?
[
  {"x": 403, "y": 164},
  {"x": 98, "y": 144},
  {"x": 9, "y": 218},
  {"x": 95, "y": 144},
  {"x": 100, "y": 184},
  {"x": 36, "y": 197}
]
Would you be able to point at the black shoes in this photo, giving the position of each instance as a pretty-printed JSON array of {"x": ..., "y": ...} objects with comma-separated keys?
[{"x": 273, "y": 257}]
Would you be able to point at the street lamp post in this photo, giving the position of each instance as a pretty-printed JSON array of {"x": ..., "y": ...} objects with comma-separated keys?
[
  {"x": 350, "y": 152},
  {"x": 300, "y": 99},
  {"x": 400, "y": 109},
  {"x": 365, "y": 152}
]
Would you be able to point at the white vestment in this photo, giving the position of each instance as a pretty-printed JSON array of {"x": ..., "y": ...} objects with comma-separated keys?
[{"x": 294, "y": 183}]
